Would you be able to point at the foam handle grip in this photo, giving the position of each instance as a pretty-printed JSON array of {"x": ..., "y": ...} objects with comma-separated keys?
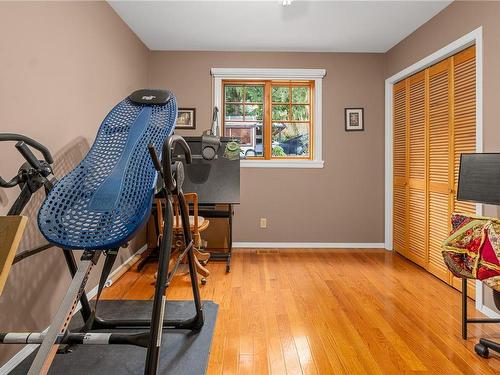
[
  {"x": 28, "y": 155},
  {"x": 154, "y": 157},
  {"x": 30, "y": 142}
]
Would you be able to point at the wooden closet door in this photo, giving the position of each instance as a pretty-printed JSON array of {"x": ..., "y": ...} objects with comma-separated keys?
[
  {"x": 400, "y": 183},
  {"x": 440, "y": 171},
  {"x": 417, "y": 251},
  {"x": 464, "y": 117},
  {"x": 434, "y": 123}
]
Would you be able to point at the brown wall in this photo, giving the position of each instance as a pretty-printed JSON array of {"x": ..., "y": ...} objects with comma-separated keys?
[
  {"x": 62, "y": 67},
  {"x": 344, "y": 201},
  {"x": 458, "y": 19}
]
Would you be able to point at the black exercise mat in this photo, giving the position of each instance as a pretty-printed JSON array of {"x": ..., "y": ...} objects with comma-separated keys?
[{"x": 182, "y": 352}]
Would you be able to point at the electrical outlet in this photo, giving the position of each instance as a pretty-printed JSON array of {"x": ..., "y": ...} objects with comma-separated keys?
[{"x": 263, "y": 222}]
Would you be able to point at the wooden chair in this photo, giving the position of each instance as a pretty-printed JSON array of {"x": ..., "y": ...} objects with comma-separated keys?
[
  {"x": 11, "y": 232},
  {"x": 197, "y": 225}
]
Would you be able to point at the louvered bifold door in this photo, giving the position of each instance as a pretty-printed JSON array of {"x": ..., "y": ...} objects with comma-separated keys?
[
  {"x": 464, "y": 110},
  {"x": 400, "y": 197},
  {"x": 417, "y": 171},
  {"x": 440, "y": 172}
]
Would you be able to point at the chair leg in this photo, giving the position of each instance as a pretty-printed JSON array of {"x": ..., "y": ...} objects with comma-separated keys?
[
  {"x": 200, "y": 269},
  {"x": 201, "y": 255}
]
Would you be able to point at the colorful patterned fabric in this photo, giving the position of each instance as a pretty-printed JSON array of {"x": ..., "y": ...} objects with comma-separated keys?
[{"x": 473, "y": 249}]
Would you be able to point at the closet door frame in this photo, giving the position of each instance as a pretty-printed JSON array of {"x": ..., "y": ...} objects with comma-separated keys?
[{"x": 473, "y": 38}]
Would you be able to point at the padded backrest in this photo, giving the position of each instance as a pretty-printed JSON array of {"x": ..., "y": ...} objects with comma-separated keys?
[{"x": 104, "y": 201}]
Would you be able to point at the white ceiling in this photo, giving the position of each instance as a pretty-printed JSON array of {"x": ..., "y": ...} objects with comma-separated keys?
[{"x": 267, "y": 25}]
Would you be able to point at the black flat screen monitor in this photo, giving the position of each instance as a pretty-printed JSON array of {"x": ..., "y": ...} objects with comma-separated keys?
[{"x": 479, "y": 178}]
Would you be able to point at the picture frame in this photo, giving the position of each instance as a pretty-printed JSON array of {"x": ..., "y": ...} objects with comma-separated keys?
[
  {"x": 354, "y": 119},
  {"x": 186, "y": 119}
]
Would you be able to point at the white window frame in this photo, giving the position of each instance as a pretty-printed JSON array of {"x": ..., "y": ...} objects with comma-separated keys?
[{"x": 316, "y": 75}]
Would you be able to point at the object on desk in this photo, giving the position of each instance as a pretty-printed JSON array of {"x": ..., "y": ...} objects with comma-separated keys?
[
  {"x": 210, "y": 139},
  {"x": 473, "y": 249},
  {"x": 217, "y": 183},
  {"x": 232, "y": 150}
]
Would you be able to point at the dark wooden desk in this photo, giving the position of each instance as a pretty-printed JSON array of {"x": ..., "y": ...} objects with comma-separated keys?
[{"x": 217, "y": 183}]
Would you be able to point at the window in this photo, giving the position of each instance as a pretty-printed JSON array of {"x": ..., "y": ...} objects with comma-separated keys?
[
  {"x": 243, "y": 116},
  {"x": 275, "y": 113},
  {"x": 280, "y": 130}
]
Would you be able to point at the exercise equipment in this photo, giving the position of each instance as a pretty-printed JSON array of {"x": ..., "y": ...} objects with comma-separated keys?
[
  {"x": 210, "y": 140},
  {"x": 33, "y": 175},
  {"x": 99, "y": 206}
]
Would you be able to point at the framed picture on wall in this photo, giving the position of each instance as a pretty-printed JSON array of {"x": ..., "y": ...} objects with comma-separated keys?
[
  {"x": 354, "y": 119},
  {"x": 186, "y": 118}
]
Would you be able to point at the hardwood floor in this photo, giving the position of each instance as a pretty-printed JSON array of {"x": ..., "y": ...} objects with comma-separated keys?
[{"x": 328, "y": 312}]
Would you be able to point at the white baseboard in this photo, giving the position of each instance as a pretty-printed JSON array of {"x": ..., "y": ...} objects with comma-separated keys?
[
  {"x": 307, "y": 245},
  {"x": 489, "y": 312},
  {"x": 93, "y": 292},
  {"x": 21, "y": 355}
]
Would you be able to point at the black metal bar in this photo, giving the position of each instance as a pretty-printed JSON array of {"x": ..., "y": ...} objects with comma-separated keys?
[
  {"x": 178, "y": 261},
  {"x": 464, "y": 309},
  {"x": 465, "y": 319},
  {"x": 101, "y": 323},
  {"x": 72, "y": 338},
  {"x": 489, "y": 345},
  {"x": 152, "y": 356},
  {"x": 27, "y": 253},
  {"x": 230, "y": 250},
  {"x": 483, "y": 320},
  {"x": 222, "y": 256},
  {"x": 21, "y": 201}
]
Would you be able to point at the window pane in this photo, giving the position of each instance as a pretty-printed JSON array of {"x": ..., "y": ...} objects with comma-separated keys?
[
  {"x": 300, "y": 112},
  {"x": 234, "y": 93},
  {"x": 280, "y": 112},
  {"x": 254, "y": 94},
  {"x": 290, "y": 139},
  {"x": 281, "y": 94},
  {"x": 253, "y": 112},
  {"x": 243, "y": 134},
  {"x": 234, "y": 112},
  {"x": 300, "y": 94},
  {"x": 250, "y": 135}
]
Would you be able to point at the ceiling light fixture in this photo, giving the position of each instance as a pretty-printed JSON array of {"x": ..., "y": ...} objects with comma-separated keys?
[{"x": 287, "y": 2}]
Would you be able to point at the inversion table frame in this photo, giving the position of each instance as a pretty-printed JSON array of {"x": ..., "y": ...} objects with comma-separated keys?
[{"x": 58, "y": 333}]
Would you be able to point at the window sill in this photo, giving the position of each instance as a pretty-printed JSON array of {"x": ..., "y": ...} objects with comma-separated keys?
[{"x": 281, "y": 163}]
